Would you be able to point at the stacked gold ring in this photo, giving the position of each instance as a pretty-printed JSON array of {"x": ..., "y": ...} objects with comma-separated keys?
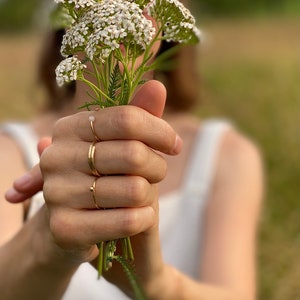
[
  {"x": 92, "y": 120},
  {"x": 91, "y": 161},
  {"x": 93, "y": 191}
]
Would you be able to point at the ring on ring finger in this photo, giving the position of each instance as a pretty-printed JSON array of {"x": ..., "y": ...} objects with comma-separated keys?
[{"x": 93, "y": 191}]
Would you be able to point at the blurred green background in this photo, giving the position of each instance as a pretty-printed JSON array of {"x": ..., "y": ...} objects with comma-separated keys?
[
  {"x": 19, "y": 14},
  {"x": 249, "y": 65}
]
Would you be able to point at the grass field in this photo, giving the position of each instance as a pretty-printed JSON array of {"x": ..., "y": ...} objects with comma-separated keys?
[{"x": 250, "y": 74}]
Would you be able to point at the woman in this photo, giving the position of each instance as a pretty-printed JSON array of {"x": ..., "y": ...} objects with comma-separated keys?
[{"x": 197, "y": 242}]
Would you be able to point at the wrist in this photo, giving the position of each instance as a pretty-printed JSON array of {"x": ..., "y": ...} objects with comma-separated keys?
[
  {"x": 165, "y": 286},
  {"x": 30, "y": 262}
]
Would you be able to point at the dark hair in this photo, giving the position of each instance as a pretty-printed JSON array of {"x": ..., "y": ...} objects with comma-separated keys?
[
  {"x": 181, "y": 81},
  {"x": 49, "y": 59}
]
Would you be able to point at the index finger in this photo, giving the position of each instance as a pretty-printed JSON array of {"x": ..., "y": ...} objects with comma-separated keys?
[{"x": 120, "y": 123}]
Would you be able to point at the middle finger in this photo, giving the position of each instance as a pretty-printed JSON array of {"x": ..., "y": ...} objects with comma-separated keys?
[{"x": 113, "y": 158}]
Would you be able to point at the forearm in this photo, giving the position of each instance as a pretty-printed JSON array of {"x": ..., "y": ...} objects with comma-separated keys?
[
  {"x": 176, "y": 285},
  {"x": 26, "y": 274}
]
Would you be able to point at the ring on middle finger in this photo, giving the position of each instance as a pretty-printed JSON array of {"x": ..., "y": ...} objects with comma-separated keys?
[{"x": 91, "y": 159}]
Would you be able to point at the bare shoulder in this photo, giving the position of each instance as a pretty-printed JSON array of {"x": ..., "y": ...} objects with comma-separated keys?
[
  {"x": 239, "y": 151},
  {"x": 239, "y": 156},
  {"x": 232, "y": 215},
  {"x": 239, "y": 170}
]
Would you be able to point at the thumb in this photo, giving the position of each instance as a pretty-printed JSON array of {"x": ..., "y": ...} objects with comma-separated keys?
[
  {"x": 151, "y": 97},
  {"x": 43, "y": 144}
]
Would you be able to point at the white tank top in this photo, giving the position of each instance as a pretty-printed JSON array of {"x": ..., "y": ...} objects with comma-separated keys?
[{"x": 181, "y": 212}]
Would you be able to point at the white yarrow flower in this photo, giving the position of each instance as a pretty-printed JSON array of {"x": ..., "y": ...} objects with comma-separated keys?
[
  {"x": 68, "y": 70},
  {"x": 178, "y": 24},
  {"x": 77, "y": 3},
  {"x": 75, "y": 39},
  {"x": 113, "y": 32},
  {"x": 105, "y": 26}
]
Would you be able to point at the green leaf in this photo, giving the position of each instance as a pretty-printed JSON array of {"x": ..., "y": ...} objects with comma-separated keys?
[
  {"x": 131, "y": 275},
  {"x": 114, "y": 82},
  {"x": 60, "y": 18},
  {"x": 125, "y": 93}
]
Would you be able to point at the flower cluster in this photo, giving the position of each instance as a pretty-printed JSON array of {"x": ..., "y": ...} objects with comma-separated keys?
[
  {"x": 115, "y": 33},
  {"x": 77, "y": 3},
  {"x": 68, "y": 70},
  {"x": 105, "y": 26},
  {"x": 177, "y": 23}
]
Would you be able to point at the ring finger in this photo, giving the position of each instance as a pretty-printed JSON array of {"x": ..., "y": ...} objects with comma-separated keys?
[{"x": 108, "y": 192}]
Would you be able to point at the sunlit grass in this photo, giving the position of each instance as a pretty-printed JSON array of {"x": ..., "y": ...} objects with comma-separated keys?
[{"x": 18, "y": 80}]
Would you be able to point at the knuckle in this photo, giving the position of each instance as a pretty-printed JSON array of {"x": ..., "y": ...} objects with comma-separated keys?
[
  {"x": 59, "y": 128},
  {"x": 157, "y": 169},
  {"x": 136, "y": 221},
  {"x": 130, "y": 223},
  {"x": 127, "y": 120},
  {"x": 47, "y": 160},
  {"x": 59, "y": 157},
  {"x": 134, "y": 155},
  {"x": 163, "y": 170},
  {"x": 53, "y": 194},
  {"x": 60, "y": 228},
  {"x": 69, "y": 126},
  {"x": 137, "y": 191},
  {"x": 47, "y": 188}
]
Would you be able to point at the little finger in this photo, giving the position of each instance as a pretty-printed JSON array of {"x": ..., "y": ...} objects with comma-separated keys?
[{"x": 74, "y": 229}]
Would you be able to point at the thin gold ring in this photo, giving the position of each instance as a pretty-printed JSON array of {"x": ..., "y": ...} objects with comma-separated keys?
[
  {"x": 91, "y": 159},
  {"x": 92, "y": 120},
  {"x": 93, "y": 191}
]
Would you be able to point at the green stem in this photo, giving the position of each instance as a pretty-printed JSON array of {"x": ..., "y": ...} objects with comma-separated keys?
[
  {"x": 96, "y": 90},
  {"x": 146, "y": 57},
  {"x": 127, "y": 78},
  {"x": 139, "y": 293},
  {"x": 96, "y": 73},
  {"x": 100, "y": 259}
]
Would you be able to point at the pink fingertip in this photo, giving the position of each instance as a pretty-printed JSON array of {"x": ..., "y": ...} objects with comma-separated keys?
[
  {"x": 178, "y": 145},
  {"x": 12, "y": 195}
]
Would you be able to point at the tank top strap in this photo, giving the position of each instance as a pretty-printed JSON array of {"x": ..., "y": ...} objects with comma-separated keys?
[
  {"x": 200, "y": 172},
  {"x": 26, "y": 139}
]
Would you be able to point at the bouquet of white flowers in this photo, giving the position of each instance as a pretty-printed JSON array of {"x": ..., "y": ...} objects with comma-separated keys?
[{"x": 116, "y": 38}]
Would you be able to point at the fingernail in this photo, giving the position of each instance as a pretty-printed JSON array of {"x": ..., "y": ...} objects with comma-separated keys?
[
  {"x": 178, "y": 145},
  {"x": 23, "y": 180}
]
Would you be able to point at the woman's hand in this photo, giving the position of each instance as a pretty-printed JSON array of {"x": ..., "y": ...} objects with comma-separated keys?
[{"x": 127, "y": 158}]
